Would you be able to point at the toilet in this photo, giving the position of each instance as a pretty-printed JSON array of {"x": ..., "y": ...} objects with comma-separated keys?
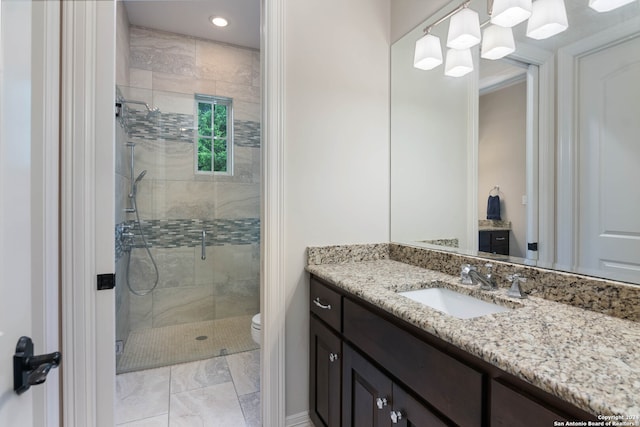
[{"x": 256, "y": 328}]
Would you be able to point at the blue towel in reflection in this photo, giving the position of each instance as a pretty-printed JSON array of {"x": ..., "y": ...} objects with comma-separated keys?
[{"x": 493, "y": 208}]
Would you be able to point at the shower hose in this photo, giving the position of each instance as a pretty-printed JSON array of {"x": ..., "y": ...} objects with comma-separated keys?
[{"x": 146, "y": 246}]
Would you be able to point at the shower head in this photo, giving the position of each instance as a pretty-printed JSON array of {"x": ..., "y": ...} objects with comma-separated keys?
[{"x": 139, "y": 178}]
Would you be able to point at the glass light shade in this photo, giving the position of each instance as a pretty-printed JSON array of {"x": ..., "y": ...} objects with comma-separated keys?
[
  {"x": 509, "y": 13},
  {"x": 464, "y": 30},
  {"x": 459, "y": 63},
  {"x": 428, "y": 53},
  {"x": 548, "y": 18},
  {"x": 607, "y": 5},
  {"x": 497, "y": 42}
]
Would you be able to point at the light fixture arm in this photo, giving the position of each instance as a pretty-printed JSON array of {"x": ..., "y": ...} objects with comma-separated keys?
[{"x": 427, "y": 30}]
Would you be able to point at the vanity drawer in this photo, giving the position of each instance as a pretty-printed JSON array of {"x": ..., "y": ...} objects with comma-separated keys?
[
  {"x": 326, "y": 304},
  {"x": 510, "y": 408},
  {"x": 447, "y": 384}
]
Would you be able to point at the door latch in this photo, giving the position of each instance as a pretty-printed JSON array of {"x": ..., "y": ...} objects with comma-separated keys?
[{"x": 31, "y": 370}]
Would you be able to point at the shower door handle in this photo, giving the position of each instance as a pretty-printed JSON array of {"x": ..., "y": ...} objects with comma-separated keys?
[{"x": 203, "y": 255}]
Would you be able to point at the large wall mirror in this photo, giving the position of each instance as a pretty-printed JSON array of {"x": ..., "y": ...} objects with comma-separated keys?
[{"x": 551, "y": 130}]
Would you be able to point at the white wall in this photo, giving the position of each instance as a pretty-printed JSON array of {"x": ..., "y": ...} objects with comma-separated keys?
[
  {"x": 432, "y": 140},
  {"x": 336, "y": 147},
  {"x": 407, "y": 14}
]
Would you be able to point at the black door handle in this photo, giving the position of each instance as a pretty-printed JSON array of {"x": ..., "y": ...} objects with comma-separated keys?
[{"x": 31, "y": 370}]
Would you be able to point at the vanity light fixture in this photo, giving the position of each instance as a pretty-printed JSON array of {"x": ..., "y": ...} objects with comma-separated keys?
[
  {"x": 459, "y": 63},
  {"x": 607, "y": 5},
  {"x": 497, "y": 42},
  {"x": 428, "y": 53},
  {"x": 218, "y": 21},
  {"x": 548, "y": 18},
  {"x": 509, "y": 13},
  {"x": 464, "y": 29}
]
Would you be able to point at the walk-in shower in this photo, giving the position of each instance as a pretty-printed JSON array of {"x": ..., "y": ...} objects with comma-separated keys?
[{"x": 188, "y": 233}]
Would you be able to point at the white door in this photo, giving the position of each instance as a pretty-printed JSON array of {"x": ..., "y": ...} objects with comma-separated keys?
[
  {"x": 28, "y": 203},
  {"x": 608, "y": 105}
]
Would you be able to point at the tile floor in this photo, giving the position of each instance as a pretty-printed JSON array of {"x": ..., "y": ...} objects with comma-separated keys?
[{"x": 223, "y": 391}]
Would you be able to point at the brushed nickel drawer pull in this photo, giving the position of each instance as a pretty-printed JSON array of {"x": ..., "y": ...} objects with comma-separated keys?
[
  {"x": 500, "y": 238},
  {"x": 321, "y": 305},
  {"x": 333, "y": 357}
]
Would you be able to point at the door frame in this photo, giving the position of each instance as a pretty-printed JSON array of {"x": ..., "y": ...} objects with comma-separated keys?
[
  {"x": 87, "y": 221},
  {"x": 87, "y": 130}
]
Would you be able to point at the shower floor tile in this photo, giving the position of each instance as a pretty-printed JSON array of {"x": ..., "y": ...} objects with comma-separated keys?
[{"x": 170, "y": 345}]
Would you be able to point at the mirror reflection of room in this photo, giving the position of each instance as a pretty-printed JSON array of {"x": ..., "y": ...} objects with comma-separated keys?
[{"x": 502, "y": 122}]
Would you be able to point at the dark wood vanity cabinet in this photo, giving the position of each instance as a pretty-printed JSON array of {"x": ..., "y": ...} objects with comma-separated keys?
[
  {"x": 494, "y": 241},
  {"x": 369, "y": 368}
]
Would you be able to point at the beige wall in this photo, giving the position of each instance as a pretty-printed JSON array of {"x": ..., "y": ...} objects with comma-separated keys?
[
  {"x": 407, "y": 14},
  {"x": 336, "y": 148},
  {"x": 502, "y": 158}
]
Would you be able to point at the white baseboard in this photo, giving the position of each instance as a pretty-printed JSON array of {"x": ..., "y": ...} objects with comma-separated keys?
[{"x": 299, "y": 420}]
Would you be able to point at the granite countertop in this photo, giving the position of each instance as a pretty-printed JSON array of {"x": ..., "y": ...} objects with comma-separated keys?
[{"x": 587, "y": 358}]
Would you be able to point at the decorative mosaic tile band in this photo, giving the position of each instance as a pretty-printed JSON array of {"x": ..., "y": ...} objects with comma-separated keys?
[
  {"x": 174, "y": 233},
  {"x": 246, "y": 133},
  {"x": 176, "y": 127}
]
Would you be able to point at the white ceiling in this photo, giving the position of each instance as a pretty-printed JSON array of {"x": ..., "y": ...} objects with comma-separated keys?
[{"x": 191, "y": 17}]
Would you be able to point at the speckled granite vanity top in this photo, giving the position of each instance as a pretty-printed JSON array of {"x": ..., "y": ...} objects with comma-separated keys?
[{"x": 587, "y": 358}]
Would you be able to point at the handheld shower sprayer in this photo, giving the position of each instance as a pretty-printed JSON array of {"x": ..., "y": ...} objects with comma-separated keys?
[{"x": 134, "y": 187}]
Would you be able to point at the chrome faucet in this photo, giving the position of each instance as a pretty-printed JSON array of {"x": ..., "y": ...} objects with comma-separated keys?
[
  {"x": 469, "y": 275},
  {"x": 516, "y": 291}
]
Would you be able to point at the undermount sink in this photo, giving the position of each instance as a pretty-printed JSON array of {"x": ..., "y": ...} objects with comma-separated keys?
[{"x": 454, "y": 303}]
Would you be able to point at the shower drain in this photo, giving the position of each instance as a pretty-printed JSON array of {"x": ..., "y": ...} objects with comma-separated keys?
[{"x": 202, "y": 338}]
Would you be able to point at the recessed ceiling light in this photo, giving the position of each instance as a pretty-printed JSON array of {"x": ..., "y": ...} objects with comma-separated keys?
[{"x": 218, "y": 21}]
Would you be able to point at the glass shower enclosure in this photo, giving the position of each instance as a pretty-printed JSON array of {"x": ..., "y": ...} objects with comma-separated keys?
[{"x": 188, "y": 229}]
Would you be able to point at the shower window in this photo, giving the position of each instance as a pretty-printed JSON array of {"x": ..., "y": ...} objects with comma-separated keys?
[{"x": 215, "y": 135}]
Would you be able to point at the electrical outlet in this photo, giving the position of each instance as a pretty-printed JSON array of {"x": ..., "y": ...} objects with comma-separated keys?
[{"x": 524, "y": 200}]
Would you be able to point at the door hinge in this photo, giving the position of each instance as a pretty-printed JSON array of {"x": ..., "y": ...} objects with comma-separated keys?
[{"x": 106, "y": 281}]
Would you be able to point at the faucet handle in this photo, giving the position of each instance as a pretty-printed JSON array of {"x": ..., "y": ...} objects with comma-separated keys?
[
  {"x": 465, "y": 269},
  {"x": 516, "y": 291}
]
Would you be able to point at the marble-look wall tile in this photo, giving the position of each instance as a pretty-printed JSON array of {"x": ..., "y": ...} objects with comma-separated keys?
[
  {"x": 161, "y": 51},
  {"x": 175, "y": 267},
  {"x": 140, "y": 311},
  {"x": 142, "y": 394},
  {"x": 161, "y": 199},
  {"x": 142, "y": 79},
  {"x": 233, "y": 304},
  {"x": 249, "y": 111},
  {"x": 174, "y": 102},
  {"x": 177, "y": 83},
  {"x": 122, "y": 45},
  {"x": 165, "y": 160},
  {"x": 216, "y": 61},
  {"x": 172, "y": 306},
  {"x": 257, "y": 70},
  {"x": 240, "y": 92},
  {"x": 237, "y": 200},
  {"x": 216, "y": 405},
  {"x": 123, "y": 323},
  {"x": 232, "y": 263}
]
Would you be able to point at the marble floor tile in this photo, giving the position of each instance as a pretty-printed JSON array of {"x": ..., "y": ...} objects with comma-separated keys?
[
  {"x": 142, "y": 394},
  {"x": 212, "y": 406},
  {"x": 245, "y": 371},
  {"x": 203, "y": 373},
  {"x": 159, "y": 421},
  {"x": 250, "y": 404}
]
